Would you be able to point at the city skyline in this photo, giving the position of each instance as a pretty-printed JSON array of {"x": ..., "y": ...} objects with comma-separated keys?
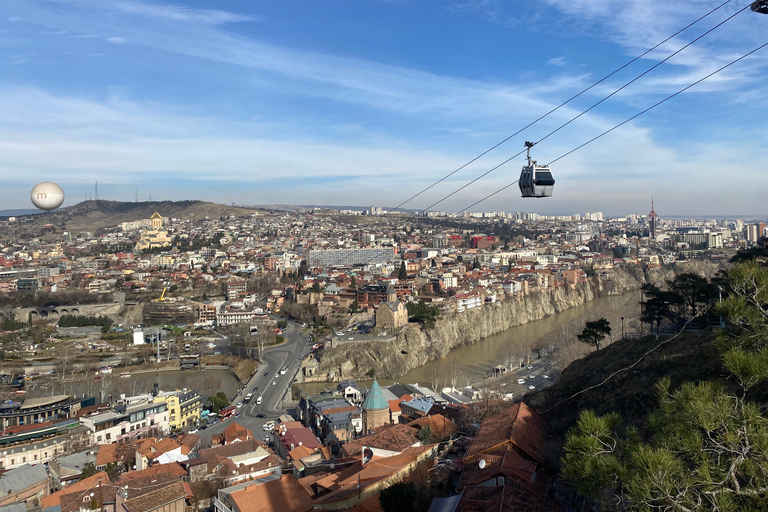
[{"x": 300, "y": 104}]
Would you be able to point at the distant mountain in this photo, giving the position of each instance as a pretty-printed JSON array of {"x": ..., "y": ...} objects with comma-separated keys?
[{"x": 18, "y": 213}]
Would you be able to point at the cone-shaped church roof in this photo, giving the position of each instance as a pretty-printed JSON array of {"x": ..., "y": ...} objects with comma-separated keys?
[{"x": 375, "y": 398}]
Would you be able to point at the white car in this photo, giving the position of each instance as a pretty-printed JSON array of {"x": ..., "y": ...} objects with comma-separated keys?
[
  {"x": 531, "y": 387},
  {"x": 259, "y": 400},
  {"x": 545, "y": 376},
  {"x": 266, "y": 439},
  {"x": 274, "y": 382},
  {"x": 531, "y": 376},
  {"x": 530, "y": 367},
  {"x": 239, "y": 405},
  {"x": 521, "y": 381},
  {"x": 340, "y": 333}
]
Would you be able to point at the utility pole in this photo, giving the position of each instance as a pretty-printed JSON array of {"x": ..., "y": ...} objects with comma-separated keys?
[
  {"x": 96, "y": 194},
  {"x": 101, "y": 497}
]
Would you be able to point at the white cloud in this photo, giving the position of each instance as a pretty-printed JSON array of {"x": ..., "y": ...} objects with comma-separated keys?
[
  {"x": 174, "y": 12},
  {"x": 556, "y": 61},
  {"x": 117, "y": 40}
]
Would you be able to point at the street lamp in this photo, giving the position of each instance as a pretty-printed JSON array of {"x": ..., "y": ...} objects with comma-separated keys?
[{"x": 622, "y": 327}]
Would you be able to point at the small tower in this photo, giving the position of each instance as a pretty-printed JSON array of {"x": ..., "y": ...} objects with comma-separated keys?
[
  {"x": 391, "y": 294},
  {"x": 157, "y": 221},
  {"x": 652, "y": 221},
  {"x": 375, "y": 409}
]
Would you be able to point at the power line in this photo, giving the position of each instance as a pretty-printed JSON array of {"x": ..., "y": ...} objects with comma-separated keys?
[
  {"x": 564, "y": 103},
  {"x": 631, "y": 118},
  {"x": 593, "y": 106}
]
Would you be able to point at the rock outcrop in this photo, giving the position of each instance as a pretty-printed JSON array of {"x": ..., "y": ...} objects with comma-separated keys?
[{"x": 414, "y": 346}]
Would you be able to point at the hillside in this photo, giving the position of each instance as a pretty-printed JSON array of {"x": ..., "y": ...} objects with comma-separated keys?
[
  {"x": 631, "y": 393},
  {"x": 94, "y": 215}
]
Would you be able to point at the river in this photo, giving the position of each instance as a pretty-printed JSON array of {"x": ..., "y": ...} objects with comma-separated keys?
[
  {"x": 207, "y": 382},
  {"x": 479, "y": 358}
]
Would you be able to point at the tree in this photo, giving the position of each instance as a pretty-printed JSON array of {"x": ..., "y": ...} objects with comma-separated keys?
[
  {"x": 402, "y": 274},
  {"x": 507, "y": 354},
  {"x": 218, "y": 401},
  {"x": 89, "y": 469},
  {"x": 426, "y": 436},
  {"x": 707, "y": 442},
  {"x": 595, "y": 332},
  {"x": 399, "y": 497},
  {"x": 435, "y": 374},
  {"x": 658, "y": 305},
  {"x": 693, "y": 290}
]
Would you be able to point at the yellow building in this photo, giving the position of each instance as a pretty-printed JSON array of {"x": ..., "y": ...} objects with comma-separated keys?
[
  {"x": 155, "y": 237},
  {"x": 184, "y": 407}
]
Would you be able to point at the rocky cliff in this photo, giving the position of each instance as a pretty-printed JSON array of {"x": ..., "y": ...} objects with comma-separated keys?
[{"x": 415, "y": 346}]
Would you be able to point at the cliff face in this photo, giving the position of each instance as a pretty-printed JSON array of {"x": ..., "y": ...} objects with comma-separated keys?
[{"x": 414, "y": 346}]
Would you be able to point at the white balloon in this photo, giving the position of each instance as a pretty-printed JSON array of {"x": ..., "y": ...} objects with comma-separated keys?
[{"x": 47, "y": 195}]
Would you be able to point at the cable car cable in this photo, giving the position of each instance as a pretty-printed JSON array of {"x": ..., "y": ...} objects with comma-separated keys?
[
  {"x": 592, "y": 107},
  {"x": 563, "y": 104},
  {"x": 628, "y": 120}
]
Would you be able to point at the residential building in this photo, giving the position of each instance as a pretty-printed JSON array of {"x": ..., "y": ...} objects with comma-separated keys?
[
  {"x": 184, "y": 407},
  {"x": 128, "y": 423},
  {"x": 279, "y": 493},
  {"x": 24, "y": 484},
  {"x": 349, "y": 257}
]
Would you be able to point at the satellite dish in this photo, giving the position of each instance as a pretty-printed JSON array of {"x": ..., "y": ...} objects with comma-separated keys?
[
  {"x": 482, "y": 464},
  {"x": 333, "y": 465},
  {"x": 47, "y": 196}
]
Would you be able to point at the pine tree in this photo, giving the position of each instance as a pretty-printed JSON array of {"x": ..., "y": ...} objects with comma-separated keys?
[
  {"x": 402, "y": 274},
  {"x": 707, "y": 445}
]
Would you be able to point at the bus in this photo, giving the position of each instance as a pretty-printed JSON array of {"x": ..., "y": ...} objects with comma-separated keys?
[
  {"x": 248, "y": 398},
  {"x": 227, "y": 412}
]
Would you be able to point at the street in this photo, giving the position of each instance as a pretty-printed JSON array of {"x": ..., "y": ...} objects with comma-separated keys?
[{"x": 260, "y": 384}]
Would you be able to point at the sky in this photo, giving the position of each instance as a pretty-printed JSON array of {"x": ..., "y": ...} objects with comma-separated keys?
[{"x": 367, "y": 102}]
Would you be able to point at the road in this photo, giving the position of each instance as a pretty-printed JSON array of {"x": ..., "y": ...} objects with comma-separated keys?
[{"x": 261, "y": 385}]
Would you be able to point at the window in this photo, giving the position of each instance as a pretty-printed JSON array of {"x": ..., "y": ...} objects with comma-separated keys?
[
  {"x": 98, "y": 439},
  {"x": 24, "y": 459},
  {"x": 109, "y": 436},
  {"x": 35, "y": 457}
]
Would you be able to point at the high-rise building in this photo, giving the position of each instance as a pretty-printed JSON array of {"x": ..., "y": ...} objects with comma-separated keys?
[{"x": 653, "y": 220}]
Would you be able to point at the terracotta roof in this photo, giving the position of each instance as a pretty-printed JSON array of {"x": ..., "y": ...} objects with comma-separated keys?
[
  {"x": 85, "y": 484},
  {"x": 300, "y": 452},
  {"x": 441, "y": 426},
  {"x": 173, "y": 469},
  {"x": 344, "y": 484},
  {"x": 234, "y": 432},
  {"x": 157, "y": 498},
  {"x": 511, "y": 465},
  {"x": 214, "y": 456},
  {"x": 506, "y": 499},
  {"x": 518, "y": 426},
  {"x": 283, "y": 495},
  {"x": 190, "y": 440},
  {"x": 395, "y": 438}
]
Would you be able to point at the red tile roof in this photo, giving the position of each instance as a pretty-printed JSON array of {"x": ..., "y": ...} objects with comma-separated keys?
[
  {"x": 518, "y": 426},
  {"x": 506, "y": 499},
  {"x": 283, "y": 495}
]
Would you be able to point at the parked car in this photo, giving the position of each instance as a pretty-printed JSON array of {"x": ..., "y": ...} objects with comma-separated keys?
[
  {"x": 531, "y": 387},
  {"x": 521, "y": 381},
  {"x": 261, "y": 415}
]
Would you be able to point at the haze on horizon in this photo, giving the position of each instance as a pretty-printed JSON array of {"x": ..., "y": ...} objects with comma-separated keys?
[{"x": 365, "y": 103}]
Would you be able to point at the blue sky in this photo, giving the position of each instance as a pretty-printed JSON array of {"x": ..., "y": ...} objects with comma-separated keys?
[{"x": 365, "y": 102}]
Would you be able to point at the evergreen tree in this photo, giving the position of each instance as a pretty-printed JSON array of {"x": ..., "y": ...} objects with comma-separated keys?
[
  {"x": 595, "y": 332},
  {"x": 707, "y": 444},
  {"x": 402, "y": 274}
]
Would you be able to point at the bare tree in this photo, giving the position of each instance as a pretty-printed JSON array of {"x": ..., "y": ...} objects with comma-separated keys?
[
  {"x": 507, "y": 354},
  {"x": 434, "y": 373},
  {"x": 454, "y": 370}
]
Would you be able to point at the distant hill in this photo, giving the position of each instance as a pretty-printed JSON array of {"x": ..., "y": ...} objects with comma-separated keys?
[
  {"x": 19, "y": 213},
  {"x": 94, "y": 215}
]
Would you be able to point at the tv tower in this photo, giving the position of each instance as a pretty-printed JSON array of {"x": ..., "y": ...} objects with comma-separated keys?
[{"x": 96, "y": 194}]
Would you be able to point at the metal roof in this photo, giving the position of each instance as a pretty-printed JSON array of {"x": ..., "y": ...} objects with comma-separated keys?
[{"x": 375, "y": 398}]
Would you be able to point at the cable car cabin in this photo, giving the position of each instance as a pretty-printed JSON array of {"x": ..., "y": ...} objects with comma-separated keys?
[{"x": 536, "y": 180}]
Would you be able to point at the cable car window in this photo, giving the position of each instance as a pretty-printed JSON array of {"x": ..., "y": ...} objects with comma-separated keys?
[{"x": 544, "y": 178}]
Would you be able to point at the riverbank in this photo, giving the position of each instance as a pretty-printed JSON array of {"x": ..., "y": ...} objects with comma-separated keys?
[{"x": 415, "y": 346}]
